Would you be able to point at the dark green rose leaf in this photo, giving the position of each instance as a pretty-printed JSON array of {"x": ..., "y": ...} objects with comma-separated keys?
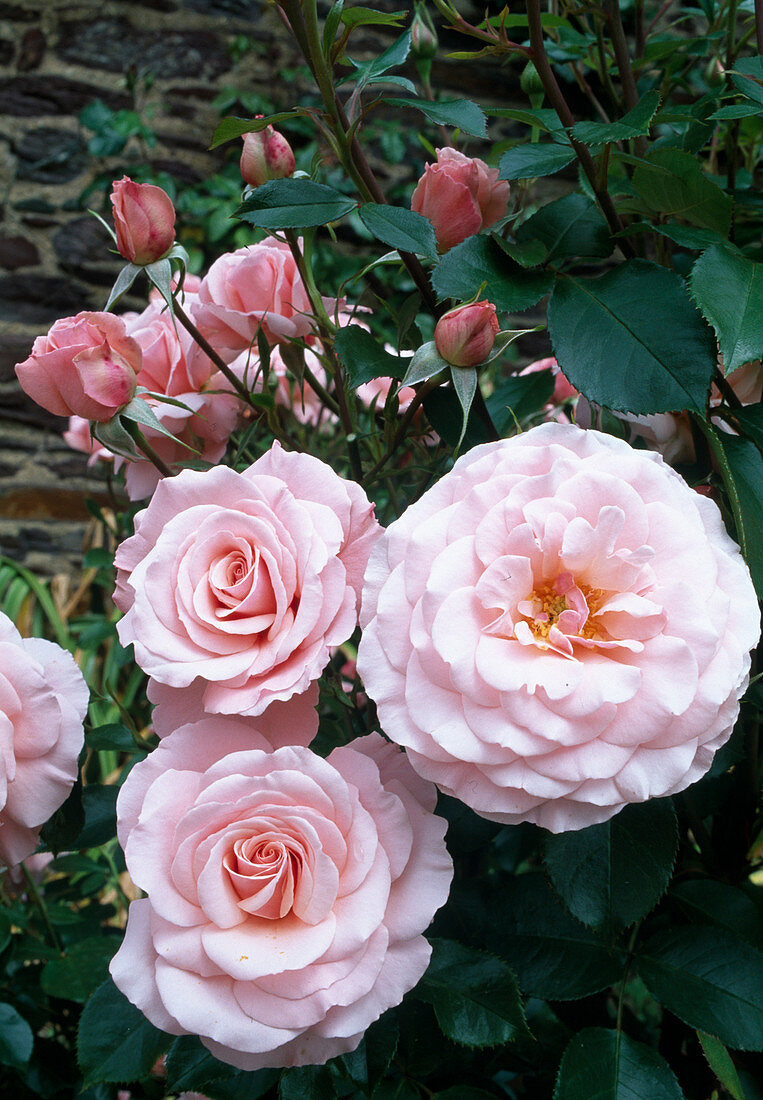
[
  {"x": 728, "y": 288},
  {"x": 480, "y": 260},
  {"x": 570, "y": 226},
  {"x": 245, "y": 1086},
  {"x": 531, "y": 161},
  {"x": 461, "y": 113},
  {"x": 230, "y": 128},
  {"x": 750, "y": 419},
  {"x": 16, "y": 1038},
  {"x": 402, "y": 229},
  {"x": 633, "y": 124},
  {"x": 357, "y": 17},
  {"x": 115, "y": 1041},
  {"x": 100, "y": 805},
  {"x": 112, "y": 736},
  {"x": 83, "y": 967},
  {"x": 632, "y": 340},
  {"x": 710, "y": 979},
  {"x": 554, "y": 956},
  {"x": 191, "y": 1067},
  {"x": 741, "y": 465},
  {"x": 518, "y": 398},
  {"x": 673, "y": 184},
  {"x": 475, "y": 995},
  {"x": 747, "y": 76},
  {"x": 61, "y": 831},
  {"x": 612, "y": 874},
  {"x": 368, "y": 1063},
  {"x": 363, "y": 356},
  {"x": 616, "y": 1067},
  {"x": 719, "y": 1060},
  {"x": 706, "y": 901},
  {"x": 294, "y": 204},
  {"x": 307, "y": 1083}
]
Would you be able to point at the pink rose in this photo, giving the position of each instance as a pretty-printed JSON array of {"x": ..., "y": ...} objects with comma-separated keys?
[
  {"x": 559, "y": 627},
  {"x": 80, "y": 438},
  {"x": 464, "y": 336},
  {"x": 85, "y": 366},
  {"x": 172, "y": 362},
  {"x": 460, "y": 195},
  {"x": 287, "y": 894},
  {"x": 43, "y": 703},
  {"x": 144, "y": 221},
  {"x": 255, "y": 287},
  {"x": 266, "y": 155},
  {"x": 244, "y": 581}
]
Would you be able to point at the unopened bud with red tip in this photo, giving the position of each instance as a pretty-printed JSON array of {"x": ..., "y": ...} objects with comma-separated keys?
[
  {"x": 144, "y": 220},
  {"x": 465, "y": 335},
  {"x": 423, "y": 35},
  {"x": 267, "y": 155}
]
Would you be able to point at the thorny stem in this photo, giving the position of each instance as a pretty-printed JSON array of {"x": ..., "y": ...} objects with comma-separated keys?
[
  {"x": 726, "y": 390},
  {"x": 327, "y": 340},
  {"x": 759, "y": 24},
  {"x": 137, "y": 435},
  {"x": 624, "y": 66},
  {"x": 559, "y": 103},
  {"x": 209, "y": 351},
  {"x": 732, "y": 136},
  {"x": 405, "y": 420}
]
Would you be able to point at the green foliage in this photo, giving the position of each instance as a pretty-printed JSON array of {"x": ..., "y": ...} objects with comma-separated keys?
[
  {"x": 480, "y": 266},
  {"x": 401, "y": 229},
  {"x": 530, "y": 161},
  {"x": 294, "y": 204},
  {"x": 116, "y": 1042},
  {"x": 617, "y": 1067},
  {"x": 568, "y": 227},
  {"x": 728, "y": 288}
]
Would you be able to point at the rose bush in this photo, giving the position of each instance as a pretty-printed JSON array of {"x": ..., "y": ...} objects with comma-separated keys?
[
  {"x": 287, "y": 894},
  {"x": 244, "y": 581},
  {"x": 558, "y": 628},
  {"x": 43, "y": 703}
]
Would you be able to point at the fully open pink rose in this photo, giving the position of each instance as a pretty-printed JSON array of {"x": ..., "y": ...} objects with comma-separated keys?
[
  {"x": 460, "y": 195},
  {"x": 287, "y": 894},
  {"x": 559, "y": 627},
  {"x": 43, "y": 702},
  {"x": 293, "y": 722},
  {"x": 255, "y": 287},
  {"x": 85, "y": 366},
  {"x": 244, "y": 581}
]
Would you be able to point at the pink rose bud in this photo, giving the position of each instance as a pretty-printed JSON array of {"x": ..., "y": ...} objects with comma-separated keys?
[
  {"x": 460, "y": 195},
  {"x": 144, "y": 220},
  {"x": 267, "y": 156},
  {"x": 423, "y": 35},
  {"x": 85, "y": 366},
  {"x": 465, "y": 335}
]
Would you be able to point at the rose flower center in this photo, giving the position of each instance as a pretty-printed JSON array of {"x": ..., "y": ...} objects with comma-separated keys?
[{"x": 265, "y": 872}]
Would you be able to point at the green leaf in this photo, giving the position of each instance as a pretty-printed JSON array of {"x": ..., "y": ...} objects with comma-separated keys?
[
  {"x": 464, "y": 381},
  {"x": 190, "y": 1066},
  {"x": 479, "y": 260},
  {"x": 81, "y": 970},
  {"x": 672, "y": 183},
  {"x": 710, "y": 979},
  {"x": 363, "y": 356},
  {"x": 632, "y": 340},
  {"x": 60, "y": 832},
  {"x": 140, "y": 412},
  {"x": 728, "y": 288},
  {"x": 544, "y": 118},
  {"x": 99, "y": 803},
  {"x": 115, "y": 1041},
  {"x": 402, "y": 229},
  {"x": 719, "y": 1060},
  {"x": 229, "y": 128},
  {"x": 632, "y": 125},
  {"x": 294, "y": 204},
  {"x": 16, "y": 1038},
  {"x": 747, "y": 77},
  {"x": 475, "y": 995},
  {"x": 611, "y": 875},
  {"x": 425, "y": 363},
  {"x": 112, "y": 736},
  {"x": 736, "y": 110},
  {"x": 243, "y": 1085},
  {"x": 750, "y": 419},
  {"x": 741, "y": 465},
  {"x": 461, "y": 113},
  {"x": 122, "y": 284},
  {"x": 306, "y": 1083},
  {"x": 570, "y": 226},
  {"x": 518, "y": 398},
  {"x": 688, "y": 236},
  {"x": 392, "y": 57},
  {"x": 554, "y": 956},
  {"x": 368, "y": 1063},
  {"x": 706, "y": 901},
  {"x": 534, "y": 160},
  {"x": 603, "y": 1065},
  {"x": 357, "y": 17}
]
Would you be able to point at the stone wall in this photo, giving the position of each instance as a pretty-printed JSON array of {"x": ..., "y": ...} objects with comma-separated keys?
[{"x": 56, "y": 57}]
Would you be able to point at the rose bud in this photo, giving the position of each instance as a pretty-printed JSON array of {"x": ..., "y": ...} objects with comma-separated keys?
[
  {"x": 266, "y": 156},
  {"x": 423, "y": 35},
  {"x": 465, "y": 336},
  {"x": 85, "y": 366},
  {"x": 144, "y": 220},
  {"x": 460, "y": 196}
]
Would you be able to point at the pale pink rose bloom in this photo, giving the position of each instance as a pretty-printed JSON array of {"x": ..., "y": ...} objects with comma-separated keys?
[
  {"x": 245, "y": 580},
  {"x": 43, "y": 703},
  {"x": 287, "y": 894},
  {"x": 292, "y": 722},
  {"x": 84, "y": 366},
  {"x": 172, "y": 362},
  {"x": 255, "y": 287},
  {"x": 144, "y": 220},
  {"x": 559, "y": 627},
  {"x": 460, "y": 195},
  {"x": 377, "y": 389}
]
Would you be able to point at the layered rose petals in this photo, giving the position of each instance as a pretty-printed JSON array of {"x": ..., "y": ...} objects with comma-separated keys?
[
  {"x": 244, "y": 581},
  {"x": 287, "y": 894},
  {"x": 559, "y": 627},
  {"x": 43, "y": 702}
]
